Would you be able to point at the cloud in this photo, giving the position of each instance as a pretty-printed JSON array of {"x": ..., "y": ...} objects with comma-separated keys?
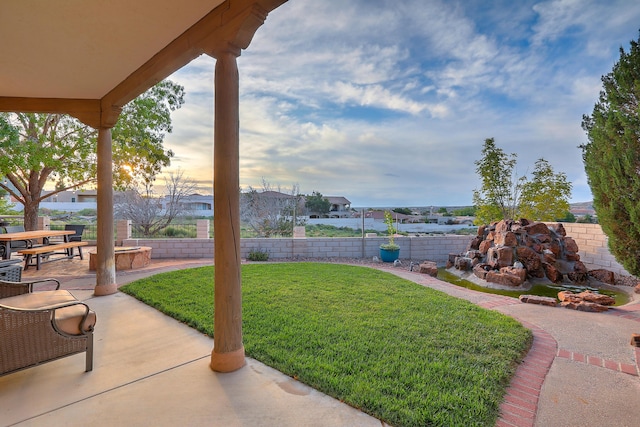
[{"x": 390, "y": 105}]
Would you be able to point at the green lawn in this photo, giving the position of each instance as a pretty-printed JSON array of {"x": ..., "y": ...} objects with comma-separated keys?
[{"x": 406, "y": 354}]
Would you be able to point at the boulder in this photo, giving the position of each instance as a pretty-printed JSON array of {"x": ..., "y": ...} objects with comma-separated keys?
[
  {"x": 572, "y": 256},
  {"x": 566, "y": 296},
  {"x": 585, "y": 301},
  {"x": 578, "y": 277},
  {"x": 535, "y": 299},
  {"x": 537, "y": 228},
  {"x": 503, "y": 226},
  {"x": 579, "y": 273},
  {"x": 430, "y": 268},
  {"x": 485, "y": 245},
  {"x": 558, "y": 229},
  {"x": 544, "y": 238},
  {"x": 590, "y": 307},
  {"x": 507, "y": 238},
  {"x": 475, "y": 243},
  {"x": 463, "y": 264},
  {"x": 451, "y": 260},
  {"x": 570, "y": 245},
  {"x": 548, "y": 257},
  {"x": 529, "y": 258},
  {"x": 503, "y": 278},
  {"x": 554, "y": 247},
  {"x": 552, "y": 273},
  {"x": 500, "y": 256},
  {"x": 520, "y": 273},
  {"x": 602, "y": 275},
  {"x": 597, "y": 298},
  {"x": 480, "y": 270}
]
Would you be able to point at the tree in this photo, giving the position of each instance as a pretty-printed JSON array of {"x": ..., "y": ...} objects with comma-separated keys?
[
  {"x": 587, "y": 219},
  {"x": 6, "y": 208},
  {"x": 466, "y": 211},
  {"x": 568, "y": 217},
  {"x": 404, "y": 211},
  {"x": 36, "y": 149},
  {"x": 317, "y": 204},
  {"x": 546, "y": 196},
  {"x": 612, "y": 158},
  {"x": 151, "y": 212},
  {"x": 270, "y": 212},
  {"x": 504, "y": 195},
  {"x": 498, "y": 195}
]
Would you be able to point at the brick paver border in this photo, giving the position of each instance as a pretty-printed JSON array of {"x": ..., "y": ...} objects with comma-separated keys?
[{"x": 521, "y": 398}]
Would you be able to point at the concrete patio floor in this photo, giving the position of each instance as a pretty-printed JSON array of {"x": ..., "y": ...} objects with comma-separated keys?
[{"x": 150, "y": 370}]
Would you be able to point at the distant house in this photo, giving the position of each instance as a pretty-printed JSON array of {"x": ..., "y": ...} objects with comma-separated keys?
[
  {"x": 69, "y": 196},
  {"x": 340, "y": 207},
  {"x": 197, "y": 204},
  {"x": 74, "y": 201},
  {"x": 397, "y": 217}
]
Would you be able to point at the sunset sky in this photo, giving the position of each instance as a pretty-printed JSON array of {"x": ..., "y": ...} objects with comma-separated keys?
[{"x": 388, "y": 102}]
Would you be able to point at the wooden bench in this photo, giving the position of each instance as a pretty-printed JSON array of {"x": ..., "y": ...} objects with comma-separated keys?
[{"x": 43, "y": 253}]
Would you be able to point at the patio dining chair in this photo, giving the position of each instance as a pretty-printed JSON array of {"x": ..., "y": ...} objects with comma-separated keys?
[
  {"x": 78, "y": 228},
  {"x": 17, "y": 244}
]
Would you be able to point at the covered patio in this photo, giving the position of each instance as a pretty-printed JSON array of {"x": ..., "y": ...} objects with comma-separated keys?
[
  {"x": 152, "y": 370},
  {"x": 89, "y": 59}
]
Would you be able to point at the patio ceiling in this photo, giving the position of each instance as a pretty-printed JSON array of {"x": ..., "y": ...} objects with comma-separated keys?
[{"x": 88, "y": 58}]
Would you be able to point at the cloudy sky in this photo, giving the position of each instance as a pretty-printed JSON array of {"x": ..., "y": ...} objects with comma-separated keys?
[{"x": 388, "y": 102}]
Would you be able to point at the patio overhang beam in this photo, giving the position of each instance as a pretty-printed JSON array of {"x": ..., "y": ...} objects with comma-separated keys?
[{"x": 85, "y": 110}]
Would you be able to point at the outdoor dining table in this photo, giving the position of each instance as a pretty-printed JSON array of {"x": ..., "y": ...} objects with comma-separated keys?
[{"x": 45, "y": 235}]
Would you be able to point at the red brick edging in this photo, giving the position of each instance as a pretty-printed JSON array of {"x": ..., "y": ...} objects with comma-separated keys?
[
  {"x": 521, "y": 397},
  {"x": 625, "y": 368}
]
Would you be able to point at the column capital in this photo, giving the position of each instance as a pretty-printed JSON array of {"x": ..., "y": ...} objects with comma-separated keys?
[
  {"x": 224, "y": 48},
  {"x": 109, "y": 116},
  {"x": 237, "y": 31}
]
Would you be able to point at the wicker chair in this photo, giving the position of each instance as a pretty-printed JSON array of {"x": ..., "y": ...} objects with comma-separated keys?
[
  {"x": 10, "y": 289},
  {"x": 38, "y": 327},
  {"x": 44, "y": 326}
]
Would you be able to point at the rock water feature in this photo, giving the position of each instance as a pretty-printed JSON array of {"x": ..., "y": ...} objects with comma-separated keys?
[{"x": 514, "y": 254}]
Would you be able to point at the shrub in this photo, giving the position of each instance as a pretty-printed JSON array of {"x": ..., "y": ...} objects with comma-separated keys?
[{"x": 258, "y": 255}]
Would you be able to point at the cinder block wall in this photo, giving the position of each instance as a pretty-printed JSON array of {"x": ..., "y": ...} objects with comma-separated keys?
[
  {"x": 590, "y": 239},
  {"x": 432, "y": 248},
  {"x": 592, "y": 242}
]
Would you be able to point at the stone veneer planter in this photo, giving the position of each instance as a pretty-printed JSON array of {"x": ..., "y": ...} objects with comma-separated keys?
[{"x": 127, "y": 258}]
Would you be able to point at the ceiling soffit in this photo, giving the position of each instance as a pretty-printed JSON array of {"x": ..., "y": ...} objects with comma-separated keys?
[{"x": 111, "y": 62}]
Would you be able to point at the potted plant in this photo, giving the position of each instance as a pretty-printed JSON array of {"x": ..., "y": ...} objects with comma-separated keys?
[{"x": 389, "y": 251}]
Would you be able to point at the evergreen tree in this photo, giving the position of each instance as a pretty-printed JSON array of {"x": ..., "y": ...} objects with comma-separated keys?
[{"x": 612, "y": 158}]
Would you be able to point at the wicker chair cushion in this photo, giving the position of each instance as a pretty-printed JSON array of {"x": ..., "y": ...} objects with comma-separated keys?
[{"x": 67, "y": 319}]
